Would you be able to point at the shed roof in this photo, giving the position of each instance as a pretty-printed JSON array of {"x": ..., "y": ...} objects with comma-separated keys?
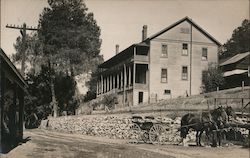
[
  {"x": 235, "y": 58},
  {"x": 12, "y": 67}
]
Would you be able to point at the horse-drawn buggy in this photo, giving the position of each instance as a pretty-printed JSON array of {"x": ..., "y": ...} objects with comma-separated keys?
[
  {"x": 212, "y": 123},
  {"x": 149, "y": 129}
]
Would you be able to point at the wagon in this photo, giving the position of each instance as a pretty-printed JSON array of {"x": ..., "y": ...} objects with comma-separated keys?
[{"x": 149, "y": 129}]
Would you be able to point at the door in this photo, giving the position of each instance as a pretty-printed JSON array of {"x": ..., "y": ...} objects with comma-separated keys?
[{"x": 140, "y": 97}]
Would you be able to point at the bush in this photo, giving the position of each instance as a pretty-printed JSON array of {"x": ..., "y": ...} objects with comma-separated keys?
[
  {"x": 211, "y": 79},
  {"x": 109, "y": 101}
]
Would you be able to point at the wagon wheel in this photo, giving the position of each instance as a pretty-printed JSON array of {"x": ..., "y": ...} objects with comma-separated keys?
[
  {"x": 135, "y": 133},
  {"x": 157, "y": 134}
]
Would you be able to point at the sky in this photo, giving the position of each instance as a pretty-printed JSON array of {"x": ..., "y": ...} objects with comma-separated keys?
[{"x": 121, "y": 21}]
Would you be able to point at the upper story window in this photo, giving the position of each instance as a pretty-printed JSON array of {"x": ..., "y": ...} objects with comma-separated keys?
[
  {"x": 185, "y": 30},
  {"x": 164, "y": 75},
  {"x": 184, "y": 49},
  {"x": 204, "y": 54},
  {"x": 184, "y": 74},
  {"x": 164, "y": 50}
]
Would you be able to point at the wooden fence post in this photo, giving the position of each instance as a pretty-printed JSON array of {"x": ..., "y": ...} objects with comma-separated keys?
[
  {"x": 242, "y": 105},
  {"x": 242, "y": 85}
]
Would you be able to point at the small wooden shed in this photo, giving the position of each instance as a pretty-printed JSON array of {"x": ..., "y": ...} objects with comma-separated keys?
[{"x": 12, "y": 86}]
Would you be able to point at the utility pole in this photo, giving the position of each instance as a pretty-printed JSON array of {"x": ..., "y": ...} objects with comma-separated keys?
[{"x": 23, "y": 30}]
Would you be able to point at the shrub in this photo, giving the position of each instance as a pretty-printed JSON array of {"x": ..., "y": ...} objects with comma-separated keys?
[
  {"x": 211, "y": 79},
  {"x": 109, "y": 101}
]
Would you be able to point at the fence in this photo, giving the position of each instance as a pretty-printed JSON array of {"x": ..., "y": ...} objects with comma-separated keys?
[{"x": 239, "y": 104}]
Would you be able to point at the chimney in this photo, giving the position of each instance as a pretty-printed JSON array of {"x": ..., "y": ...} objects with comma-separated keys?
[
  {"x": 116, "y": 49},
  {"x": 144, "y": 32}
]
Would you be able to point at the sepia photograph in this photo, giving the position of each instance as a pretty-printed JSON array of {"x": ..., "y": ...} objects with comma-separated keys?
[{"x": 125, "y": 79}]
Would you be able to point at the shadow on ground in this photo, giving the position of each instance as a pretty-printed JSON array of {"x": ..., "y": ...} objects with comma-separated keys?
[{"x": 8, "y": 146}]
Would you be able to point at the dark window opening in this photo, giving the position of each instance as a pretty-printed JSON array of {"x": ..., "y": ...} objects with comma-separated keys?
[
  {"x": 184, "y": 49},
  {"x": 184, "y": 73},
  {"x": 140, "y": 97},
  {"x": 164, "y": 50},
  {"x": 167, "y": 91},
  {"x": 141, "y": 71},
  {"x": 164, "y": 75},
  {"x": 204, "y": 54}
]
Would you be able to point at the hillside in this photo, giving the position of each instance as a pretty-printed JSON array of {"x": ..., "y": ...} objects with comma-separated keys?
[{"x": 230, "y": 97}]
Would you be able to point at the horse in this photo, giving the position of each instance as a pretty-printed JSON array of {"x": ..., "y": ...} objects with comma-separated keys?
[
  {"x": 199, "y": 122},
  {"x": 221, "y": 118},
  {"x": 205, "y": 121}
]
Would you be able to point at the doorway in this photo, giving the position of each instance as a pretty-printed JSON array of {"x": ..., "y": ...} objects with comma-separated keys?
[{"x": 140, "y": 97}]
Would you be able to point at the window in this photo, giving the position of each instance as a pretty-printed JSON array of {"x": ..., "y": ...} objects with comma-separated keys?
[
  {"x": 164, "y": 50},
  {"x": 184, "y": 74},
  {"x": 167, "y": 91},
  {"x": 184, "y": 49},
  {"x": 204, "y": 54},
  {"x": 164, "y": 75},
  {"x": 185, "y": 30}
]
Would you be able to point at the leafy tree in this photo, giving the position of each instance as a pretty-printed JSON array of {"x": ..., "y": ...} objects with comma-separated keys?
[
  {"x": 39, "y": 98},
  {"x": 70, "y": 38},
  {"x": 91, "y": 84},
  {"x": 212, "y": 78},
  {"x": 239, "y": 42}
]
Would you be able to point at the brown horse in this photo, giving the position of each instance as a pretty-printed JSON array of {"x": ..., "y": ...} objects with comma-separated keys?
[
  {"x": 199, "y": 122},
  {"x": 205, "y": 121}
]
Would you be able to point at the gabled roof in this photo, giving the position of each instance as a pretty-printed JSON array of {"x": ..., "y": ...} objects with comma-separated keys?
[
  {"x": 12, "y": 67},
  {"x": 235, "y": 58},
  {"x": 192, "y": 23}
]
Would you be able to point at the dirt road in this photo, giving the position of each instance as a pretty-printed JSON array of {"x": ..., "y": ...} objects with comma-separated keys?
[{"x": 52, "y": 144}]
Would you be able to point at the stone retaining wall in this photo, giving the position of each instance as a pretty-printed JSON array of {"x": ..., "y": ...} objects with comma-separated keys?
[{"x": 111, "y": 126}]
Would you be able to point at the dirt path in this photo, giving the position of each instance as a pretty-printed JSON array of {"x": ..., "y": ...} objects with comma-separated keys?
[{"x": 52, "y": 144}]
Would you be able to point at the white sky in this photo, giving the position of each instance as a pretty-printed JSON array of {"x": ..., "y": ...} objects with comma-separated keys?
[{"x": 121, "y": 21}]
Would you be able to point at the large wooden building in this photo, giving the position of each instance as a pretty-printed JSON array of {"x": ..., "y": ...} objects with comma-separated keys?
[
  {"x": 12, "y": 87},
  {"x": 168, "y": 64},
  {"x": 236, "y": 70}
]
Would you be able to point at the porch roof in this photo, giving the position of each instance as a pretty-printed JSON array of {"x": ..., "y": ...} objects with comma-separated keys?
[
  {"x": 123, "y": 55},
  {"x": 12, "y": 67}
]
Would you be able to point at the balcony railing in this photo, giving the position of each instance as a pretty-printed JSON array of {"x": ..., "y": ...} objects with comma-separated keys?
[
  {"x": 141, "y": 58},
  {"x": 141, "y": 86}
]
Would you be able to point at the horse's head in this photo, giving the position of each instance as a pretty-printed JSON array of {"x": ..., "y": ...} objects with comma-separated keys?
[
  {"x": 230, "y": 112},
  {"x": 185, "y": 121},
  {"x": 184, "y": 132},
  {"x": 220, "y": 116}
]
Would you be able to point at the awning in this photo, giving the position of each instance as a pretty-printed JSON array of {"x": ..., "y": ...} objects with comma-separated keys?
[{"x": 234, "y": 72}]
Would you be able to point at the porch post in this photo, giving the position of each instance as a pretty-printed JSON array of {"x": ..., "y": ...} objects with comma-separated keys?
[
  {"x": 113, "y": 87},
  {"x": 121, "y": 80},
  {"x": 110, "y": 82},
  {"x": 118, "y": 81},
  {"x": 124, "y": 83},
  {"x": 97, "y": 86},
  {"x": 129, "y": 75},
  {"x": 102, "y": 84}
]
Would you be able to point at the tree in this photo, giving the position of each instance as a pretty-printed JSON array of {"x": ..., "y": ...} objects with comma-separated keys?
[
  {"x": 239, "y": 42},
  {"x": 70, "y": 37},
  {"x": 91, "y": 84},
  {"x": 212, "y": 78}
]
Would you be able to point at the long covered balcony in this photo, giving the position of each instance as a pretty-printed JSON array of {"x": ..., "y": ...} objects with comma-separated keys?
[{"x": 126, "y": 77}]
